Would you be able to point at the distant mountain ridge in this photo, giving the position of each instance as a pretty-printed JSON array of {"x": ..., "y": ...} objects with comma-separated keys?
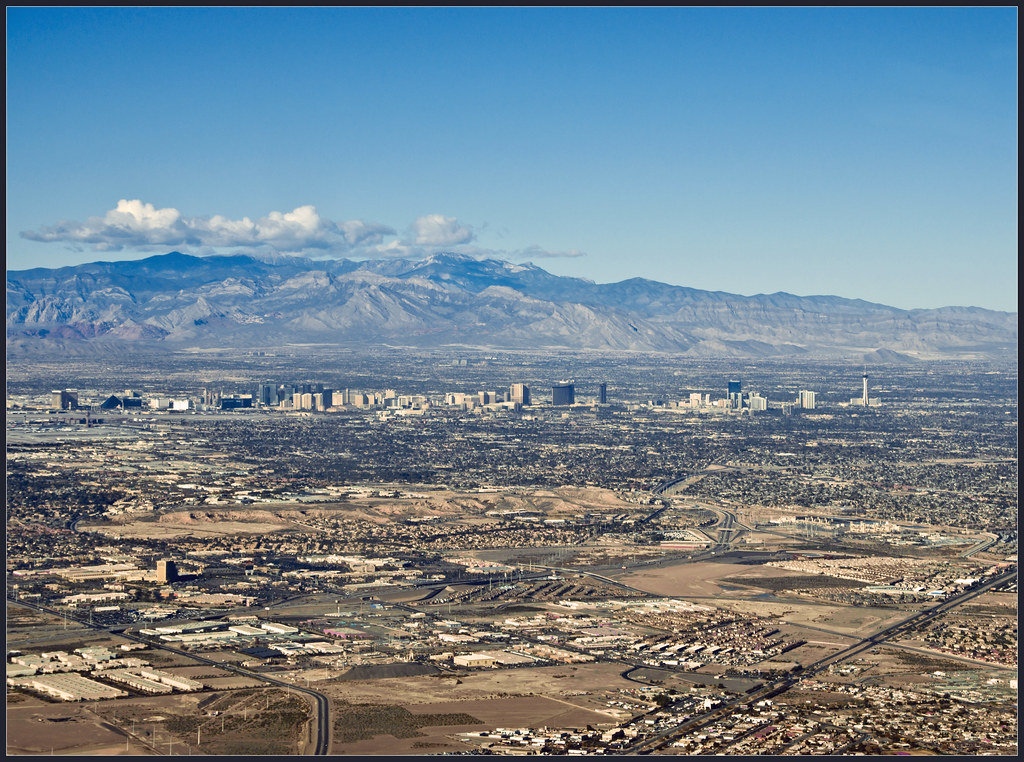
[{"x": 179, "y": 300}]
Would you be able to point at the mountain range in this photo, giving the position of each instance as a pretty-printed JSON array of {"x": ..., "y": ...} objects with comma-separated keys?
[{"x": 177, "y": 300}]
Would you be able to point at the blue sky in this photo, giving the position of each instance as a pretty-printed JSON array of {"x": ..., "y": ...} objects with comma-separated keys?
[{"x": 868, "y": 153}]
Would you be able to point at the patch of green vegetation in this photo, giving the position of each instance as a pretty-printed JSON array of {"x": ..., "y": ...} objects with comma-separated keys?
[
  {"x": 268, "y": 726},
  {"x": 794, "y": 582},
  {"x": 181, "y": 724},
  {"x": 358, "y": 722}
]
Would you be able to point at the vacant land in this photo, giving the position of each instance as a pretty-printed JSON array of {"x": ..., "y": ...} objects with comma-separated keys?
[
  {"x": 697, "y": 580},
  {"x": 565, "y": 696},
  {"x": 36, "y": 727},
  {"x": 266, "y": 721}
]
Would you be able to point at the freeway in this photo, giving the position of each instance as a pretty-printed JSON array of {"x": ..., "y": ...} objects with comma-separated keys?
[
  {"x": 322, "y": 714},
  {"x": 985, "y": 544},
  {"x": 592, "y": 575},
  {"x": 663, "y": 738}
]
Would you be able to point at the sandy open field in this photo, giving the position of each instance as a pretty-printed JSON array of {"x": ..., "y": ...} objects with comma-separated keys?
[
  {"x": 489, "y": 696},
  {"x": 170, "y": 531},
  {"x": 484, "y": 684},
  {"x": 847, "y": 620},
  {"x": 694, "y": 580},
  {"x": 500, "y": 698},
  {"x": 40, "y": 728},
  {"x": 700, "y": 581},
  {"x": 994, "y": 602},
  {"x": 520, "y": 711}
]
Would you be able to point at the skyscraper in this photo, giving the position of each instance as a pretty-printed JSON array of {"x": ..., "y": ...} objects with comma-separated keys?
[
  {"x": 807, "y": 401},
  {"x": 519, "y": 393},
  {"x": 267, "y": 394},
  {"x": 865, "y": 396},
  {"x": 166, "y": 571},
  {"x": 563, "y": 394},
  {"x": 735, "y": 395},
  {"x": 602, "y": 394},
  {"x": 64, "y": 399}
]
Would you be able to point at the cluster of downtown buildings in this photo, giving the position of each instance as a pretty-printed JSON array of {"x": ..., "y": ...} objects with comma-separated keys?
[{"x": 317, "y": 397}]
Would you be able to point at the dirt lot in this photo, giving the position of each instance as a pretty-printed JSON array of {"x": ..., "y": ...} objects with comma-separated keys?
[
  {"x": 483, "y": 684},
  {"x": 498, "y": 698},
  {"x": 997, "y": 603},
  {"x": 521, "y": 711},
  {"x": 168, "y": 531},
  {"x": 699, "y": 580},
  {"x": 511, "y": 712},
  {"x": 42, "y": 728},
  {"x": 847, "y": 620}
]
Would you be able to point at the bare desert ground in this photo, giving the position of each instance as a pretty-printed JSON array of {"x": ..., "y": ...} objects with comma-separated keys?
[
  {"x": 699, "y": 580},
  {"x": 41, "y": 728},
  {"x": 466, "y": 508},
  {"x": 560, "y": 696}
]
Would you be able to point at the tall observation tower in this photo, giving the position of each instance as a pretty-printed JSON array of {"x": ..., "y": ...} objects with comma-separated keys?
[{"x": 865, "y": 399}]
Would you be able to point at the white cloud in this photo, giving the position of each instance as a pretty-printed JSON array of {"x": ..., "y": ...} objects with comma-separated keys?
[
  {"x": 133, "y": 224},
  {"x": 438, "y": 230},
  {"x": 137, "y": 225},
  {"x": 533, "y": 251}
]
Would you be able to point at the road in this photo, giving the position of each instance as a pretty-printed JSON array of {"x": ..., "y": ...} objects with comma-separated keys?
[
  {"x": 985, "y": 544},
  {"x": 322, "y": 728}
]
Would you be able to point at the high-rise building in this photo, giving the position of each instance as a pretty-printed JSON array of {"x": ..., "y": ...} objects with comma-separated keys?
[
  {"x": 735, "y": 395},
  {"x": 563, "y": 394},
  {"x": 519, "y": 393},
  {"x": 807, "y": 401},
  {"x": 64, "y": 399},
  {"x": 865, "y": 401},
  {"x": 267, "y": 394},
  {"x": 166, "y": 571},
  {"x": 602, "y": 394}
]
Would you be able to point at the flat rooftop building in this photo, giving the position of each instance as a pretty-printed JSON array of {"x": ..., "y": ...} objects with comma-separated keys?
[{"x": 70, "y": 687}]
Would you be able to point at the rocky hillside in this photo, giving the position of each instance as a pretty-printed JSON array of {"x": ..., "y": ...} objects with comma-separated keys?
[{"x": 177, "y": 300}]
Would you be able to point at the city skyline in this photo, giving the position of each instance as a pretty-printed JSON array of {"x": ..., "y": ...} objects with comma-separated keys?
[{"x": 866, "y": 153}]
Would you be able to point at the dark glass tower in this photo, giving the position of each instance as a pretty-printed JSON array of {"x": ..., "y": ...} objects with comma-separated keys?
[{"x": 563, "y": 394}]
